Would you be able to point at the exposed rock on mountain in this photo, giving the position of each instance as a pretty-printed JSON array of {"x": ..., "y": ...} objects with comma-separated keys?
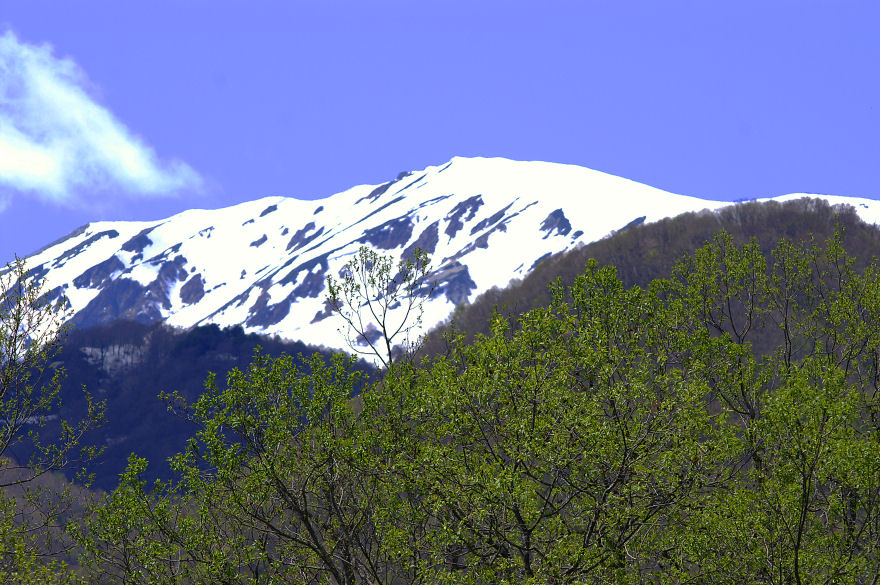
[{"x": 263, "y": 264}]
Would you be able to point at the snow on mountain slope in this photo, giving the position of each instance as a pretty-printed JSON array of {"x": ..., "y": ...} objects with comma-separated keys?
[{"x": 264, "y": 264}]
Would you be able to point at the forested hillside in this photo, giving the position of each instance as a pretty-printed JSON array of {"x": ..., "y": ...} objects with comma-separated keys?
[
  {"x": 710, "y": 417},
  {"x": 616, "y": 435},
  {"x": 642, "y": 253}
]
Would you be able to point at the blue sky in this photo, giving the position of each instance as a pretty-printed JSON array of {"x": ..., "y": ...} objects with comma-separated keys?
[{"x": 140, "y": 109}]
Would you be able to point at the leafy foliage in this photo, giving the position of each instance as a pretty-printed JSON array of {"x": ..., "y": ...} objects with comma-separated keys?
[
  {"x": 34, "y": 441},
  {"x": 720, "y": 425}
]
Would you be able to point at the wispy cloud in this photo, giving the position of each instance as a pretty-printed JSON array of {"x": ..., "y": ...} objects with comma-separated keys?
[{"x": 57, "y": 143}]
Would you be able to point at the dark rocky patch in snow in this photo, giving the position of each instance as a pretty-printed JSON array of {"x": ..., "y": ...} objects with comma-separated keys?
[
  {"x": 433, "y": 200},
  {"x": 312, "y": 284},
  {"x": 261, "y": 314},
  {"x": 577, "y": 234},
  {"x": 376, "y": 193},
  {"x": 307, "y": 265},
  {"x": 247, "y": 222},
  {"x": 538, "y": 261},
  {"x": 480, "y": 242},
  {"x": 300, "y": 238},
  {"x": 54, "y": 295},
  {"x": 453, "y": 281},
  {"x": 259, "y": 242},
  {"x": 164, "y": 254},
  {"x": 122, "y": 298},
  {"x": 483, "y": 240},
  {"x": 427, "y": 241},
  {"x": 99, "y": 273},
  {"x": 375, "y": 211},
  {"x": 391, "y": 234},
  {"x": 83, "y": 245},
  {"x": 172, "y": 271},
  {"x": 192, "y": 290},
  {"x": 138, "y": 242},
  {"x": 456, "y": 217},
  {"x": 556, "y": 221},
  {"x": 319, "y": 210},
  {"x": 633, "y": 223},
  {"x": 491, "y": 220},
  {"x": 35, "y": 273},
  {"x": 323, "y": 314},
  {"x": 414, "y": 182},
  {"x": 371, "y": 335},
  {"x": 269, "y": 210}
]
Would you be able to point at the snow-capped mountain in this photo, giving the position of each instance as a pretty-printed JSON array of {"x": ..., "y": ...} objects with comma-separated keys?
[{"x": 264, "y": 264}]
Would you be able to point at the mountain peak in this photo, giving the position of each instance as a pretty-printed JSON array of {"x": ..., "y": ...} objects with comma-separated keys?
[{"x": 263, "y": 264}]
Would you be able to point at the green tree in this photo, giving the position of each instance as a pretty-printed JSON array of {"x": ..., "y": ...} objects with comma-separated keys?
[
  {"x": 562, "y": 452},
  {"x": 800, "y": 505},
  {"x": 809, "y": 513},
  {"x": 279, "y": 486},
  {"x": 31, "y": 513}
]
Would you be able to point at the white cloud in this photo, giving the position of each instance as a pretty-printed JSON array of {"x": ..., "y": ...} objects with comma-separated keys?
[{"x": 58, "y": 144}]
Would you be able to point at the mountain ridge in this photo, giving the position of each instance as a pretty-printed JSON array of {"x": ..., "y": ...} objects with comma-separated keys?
[{"x": 263, "y": 264}]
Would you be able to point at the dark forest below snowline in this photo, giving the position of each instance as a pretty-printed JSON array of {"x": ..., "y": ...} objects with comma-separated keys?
[{"x": 128, "y": 364}]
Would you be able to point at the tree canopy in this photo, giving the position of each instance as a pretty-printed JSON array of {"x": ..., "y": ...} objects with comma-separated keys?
[{"x": 720, "y": 425}]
